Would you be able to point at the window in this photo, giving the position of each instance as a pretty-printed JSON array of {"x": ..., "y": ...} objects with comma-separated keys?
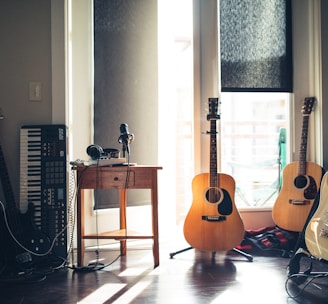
[
  {"x": 256, "y": 62},
  {"x": 127, "y": 72},
  {"x": 126, "y": 84},
  {"x": 253, "y": 144}
]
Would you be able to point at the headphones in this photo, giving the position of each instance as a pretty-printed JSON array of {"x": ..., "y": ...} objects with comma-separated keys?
[{"x": 97, "y": 152}]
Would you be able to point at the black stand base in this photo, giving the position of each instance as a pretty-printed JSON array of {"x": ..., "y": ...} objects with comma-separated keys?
[{"x": 244, "y": 254}]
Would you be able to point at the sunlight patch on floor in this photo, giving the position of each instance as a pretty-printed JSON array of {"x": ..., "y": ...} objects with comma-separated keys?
[
  {"x": 132, "y": 272},
  {"x": 133, "y": 292},
  {"x": 102, "y": 294}
]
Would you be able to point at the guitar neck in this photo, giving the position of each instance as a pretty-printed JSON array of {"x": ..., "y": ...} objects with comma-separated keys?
[
  {"x": 306, "y": 111},
  {"x": 6, "y": 185},
  {"x": 303, "y": 146},
  {"x": 213, "y": 155},
  {"x": 213, "y": 116}
]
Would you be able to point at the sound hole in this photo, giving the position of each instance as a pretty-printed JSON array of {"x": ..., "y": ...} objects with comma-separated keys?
[
  {"x": 301, "y": 181},
  {"x": 213, "y": 195}
]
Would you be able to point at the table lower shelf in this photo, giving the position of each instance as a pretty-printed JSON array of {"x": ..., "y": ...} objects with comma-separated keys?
[{"x": 121, "y": 234}]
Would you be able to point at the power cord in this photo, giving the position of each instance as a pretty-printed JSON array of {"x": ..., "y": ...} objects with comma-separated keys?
[
  {"x": 304, "y": 277},
  {"x": 94, "y": 266}
]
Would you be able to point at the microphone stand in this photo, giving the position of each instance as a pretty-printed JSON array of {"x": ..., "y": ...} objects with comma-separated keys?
[
  {"x": 125, "y": 148},
  {"x": 125, "y": 139}
]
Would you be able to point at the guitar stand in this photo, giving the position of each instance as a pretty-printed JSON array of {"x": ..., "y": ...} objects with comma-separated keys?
[{"x": 244, "y": 254}]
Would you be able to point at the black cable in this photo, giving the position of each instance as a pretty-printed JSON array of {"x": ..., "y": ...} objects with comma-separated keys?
[
  {"x": 307, "y": 278},
  {"x": 94, "y": 266}
]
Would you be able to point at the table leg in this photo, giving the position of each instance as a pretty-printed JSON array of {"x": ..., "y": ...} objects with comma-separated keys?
[
  {"x": 154, "y": 203},
  {"x": 80, "y": 227},
  {"x": 123, "y": 219}
]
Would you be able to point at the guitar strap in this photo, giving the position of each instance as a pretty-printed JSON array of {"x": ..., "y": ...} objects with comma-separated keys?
[{"x": 270, "y": 241}]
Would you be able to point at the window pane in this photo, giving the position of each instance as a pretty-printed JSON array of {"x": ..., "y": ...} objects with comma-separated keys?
[{"x": 251, "y": 145}]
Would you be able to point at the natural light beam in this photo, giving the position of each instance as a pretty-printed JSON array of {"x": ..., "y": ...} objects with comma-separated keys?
[
  {"x": 133, "y": 271},
  {"x": 102, "y": 294},
  {"x": 133, "y": 292}
]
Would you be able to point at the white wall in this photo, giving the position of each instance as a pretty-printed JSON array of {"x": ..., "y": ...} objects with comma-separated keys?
[{"x": 25, "y": 56}]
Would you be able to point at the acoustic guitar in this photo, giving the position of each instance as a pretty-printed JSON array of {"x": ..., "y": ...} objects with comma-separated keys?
[
  {"x": 300, "y": 183},
  {"x": 213, "y": 222},
  {"x": 316, "y": 233}
]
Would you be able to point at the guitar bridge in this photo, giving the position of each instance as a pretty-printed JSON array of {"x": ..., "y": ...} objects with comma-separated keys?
[
  {"x": 299, "y": 202},
  {"x": 214, "y": 218}
]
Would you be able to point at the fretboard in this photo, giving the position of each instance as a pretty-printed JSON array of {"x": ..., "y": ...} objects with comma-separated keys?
[
  {"x": 213, "y": 155},
  {"x": 303, "y": 145}
]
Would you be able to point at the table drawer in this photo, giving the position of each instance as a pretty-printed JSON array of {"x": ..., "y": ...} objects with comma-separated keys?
[{"x": 106, "y": 179}]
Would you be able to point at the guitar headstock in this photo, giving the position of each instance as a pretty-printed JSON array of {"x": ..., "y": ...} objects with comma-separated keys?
[
  {"x": 213, "y": 105},
  {"x": 308, "y": 105}
]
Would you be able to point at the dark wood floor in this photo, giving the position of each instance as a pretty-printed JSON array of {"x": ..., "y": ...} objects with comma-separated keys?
[{"x": 189, "y": 277}]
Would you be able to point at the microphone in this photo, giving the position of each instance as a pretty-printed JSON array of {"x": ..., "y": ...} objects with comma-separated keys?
[{"x": 125, "y": 137}]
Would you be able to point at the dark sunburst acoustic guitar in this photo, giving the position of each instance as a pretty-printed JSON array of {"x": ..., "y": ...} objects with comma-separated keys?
[
  {"x": 300, "y": 183},
  {"x": 213, "y": 222}
]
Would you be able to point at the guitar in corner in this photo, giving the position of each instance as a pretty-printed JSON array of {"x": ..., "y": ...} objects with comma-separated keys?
[
  {"x": 300, "y": 183},
  {"x": 213, "y": 222},
  {"x": 316, "y": 233},
  {"x": 21, "y": 242}
]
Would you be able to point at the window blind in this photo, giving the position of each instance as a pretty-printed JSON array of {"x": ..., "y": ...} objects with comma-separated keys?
[
  {"x": 256, "y": 46},
  {"x": 125, "y": 85}
]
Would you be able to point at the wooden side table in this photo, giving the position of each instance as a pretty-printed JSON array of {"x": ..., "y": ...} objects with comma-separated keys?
[{"x": 103, "y": 177}]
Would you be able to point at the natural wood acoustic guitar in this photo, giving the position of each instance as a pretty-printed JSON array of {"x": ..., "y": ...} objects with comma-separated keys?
[
  {"x": 300, "y": 183},
  {"x": 316, "y": 233},
  {"x": 213, "y": 222}
]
